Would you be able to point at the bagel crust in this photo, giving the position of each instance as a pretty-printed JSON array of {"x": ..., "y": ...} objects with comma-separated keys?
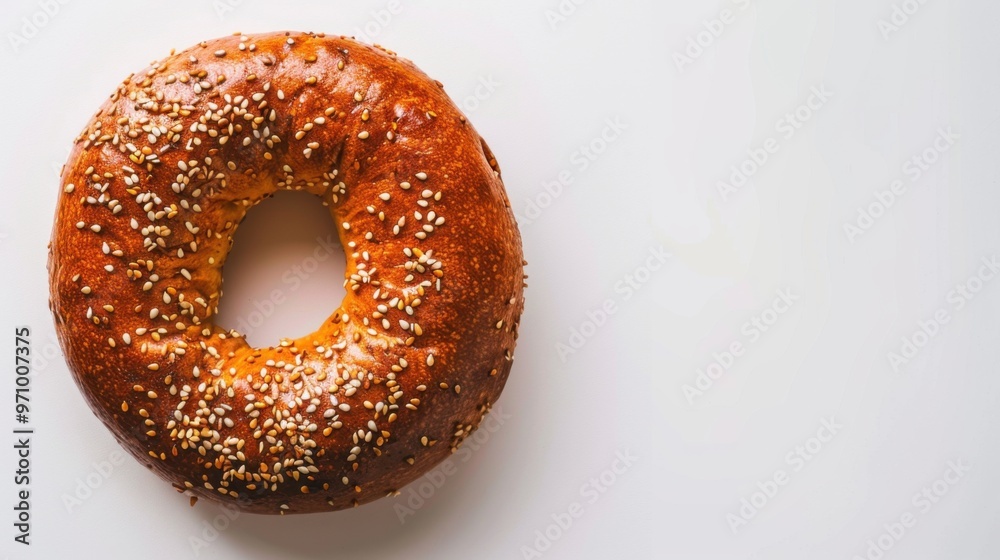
[{"x": 400, "y": 373}]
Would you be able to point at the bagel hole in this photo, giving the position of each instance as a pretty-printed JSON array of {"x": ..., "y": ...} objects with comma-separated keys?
[{"x": 285, "y": 273}]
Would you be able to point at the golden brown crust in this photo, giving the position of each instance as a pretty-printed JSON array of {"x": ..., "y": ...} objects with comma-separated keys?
[{"x": 408, "y": 365}]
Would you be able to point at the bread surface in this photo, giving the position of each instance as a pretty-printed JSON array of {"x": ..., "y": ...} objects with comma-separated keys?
[{"x": 402, "y": 371}]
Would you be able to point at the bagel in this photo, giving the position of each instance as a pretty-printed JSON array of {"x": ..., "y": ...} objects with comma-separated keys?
[{"x": 404, "y": 369}]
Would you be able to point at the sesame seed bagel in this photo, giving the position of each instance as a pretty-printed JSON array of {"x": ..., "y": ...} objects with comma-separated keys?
[{"x": 402, "y": 371}]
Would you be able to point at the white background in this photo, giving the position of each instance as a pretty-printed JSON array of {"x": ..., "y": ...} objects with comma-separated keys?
[{"x": 566, "y": 415}]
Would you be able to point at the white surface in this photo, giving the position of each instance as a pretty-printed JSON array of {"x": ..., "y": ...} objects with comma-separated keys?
[{"x": 655, "y": 185}]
